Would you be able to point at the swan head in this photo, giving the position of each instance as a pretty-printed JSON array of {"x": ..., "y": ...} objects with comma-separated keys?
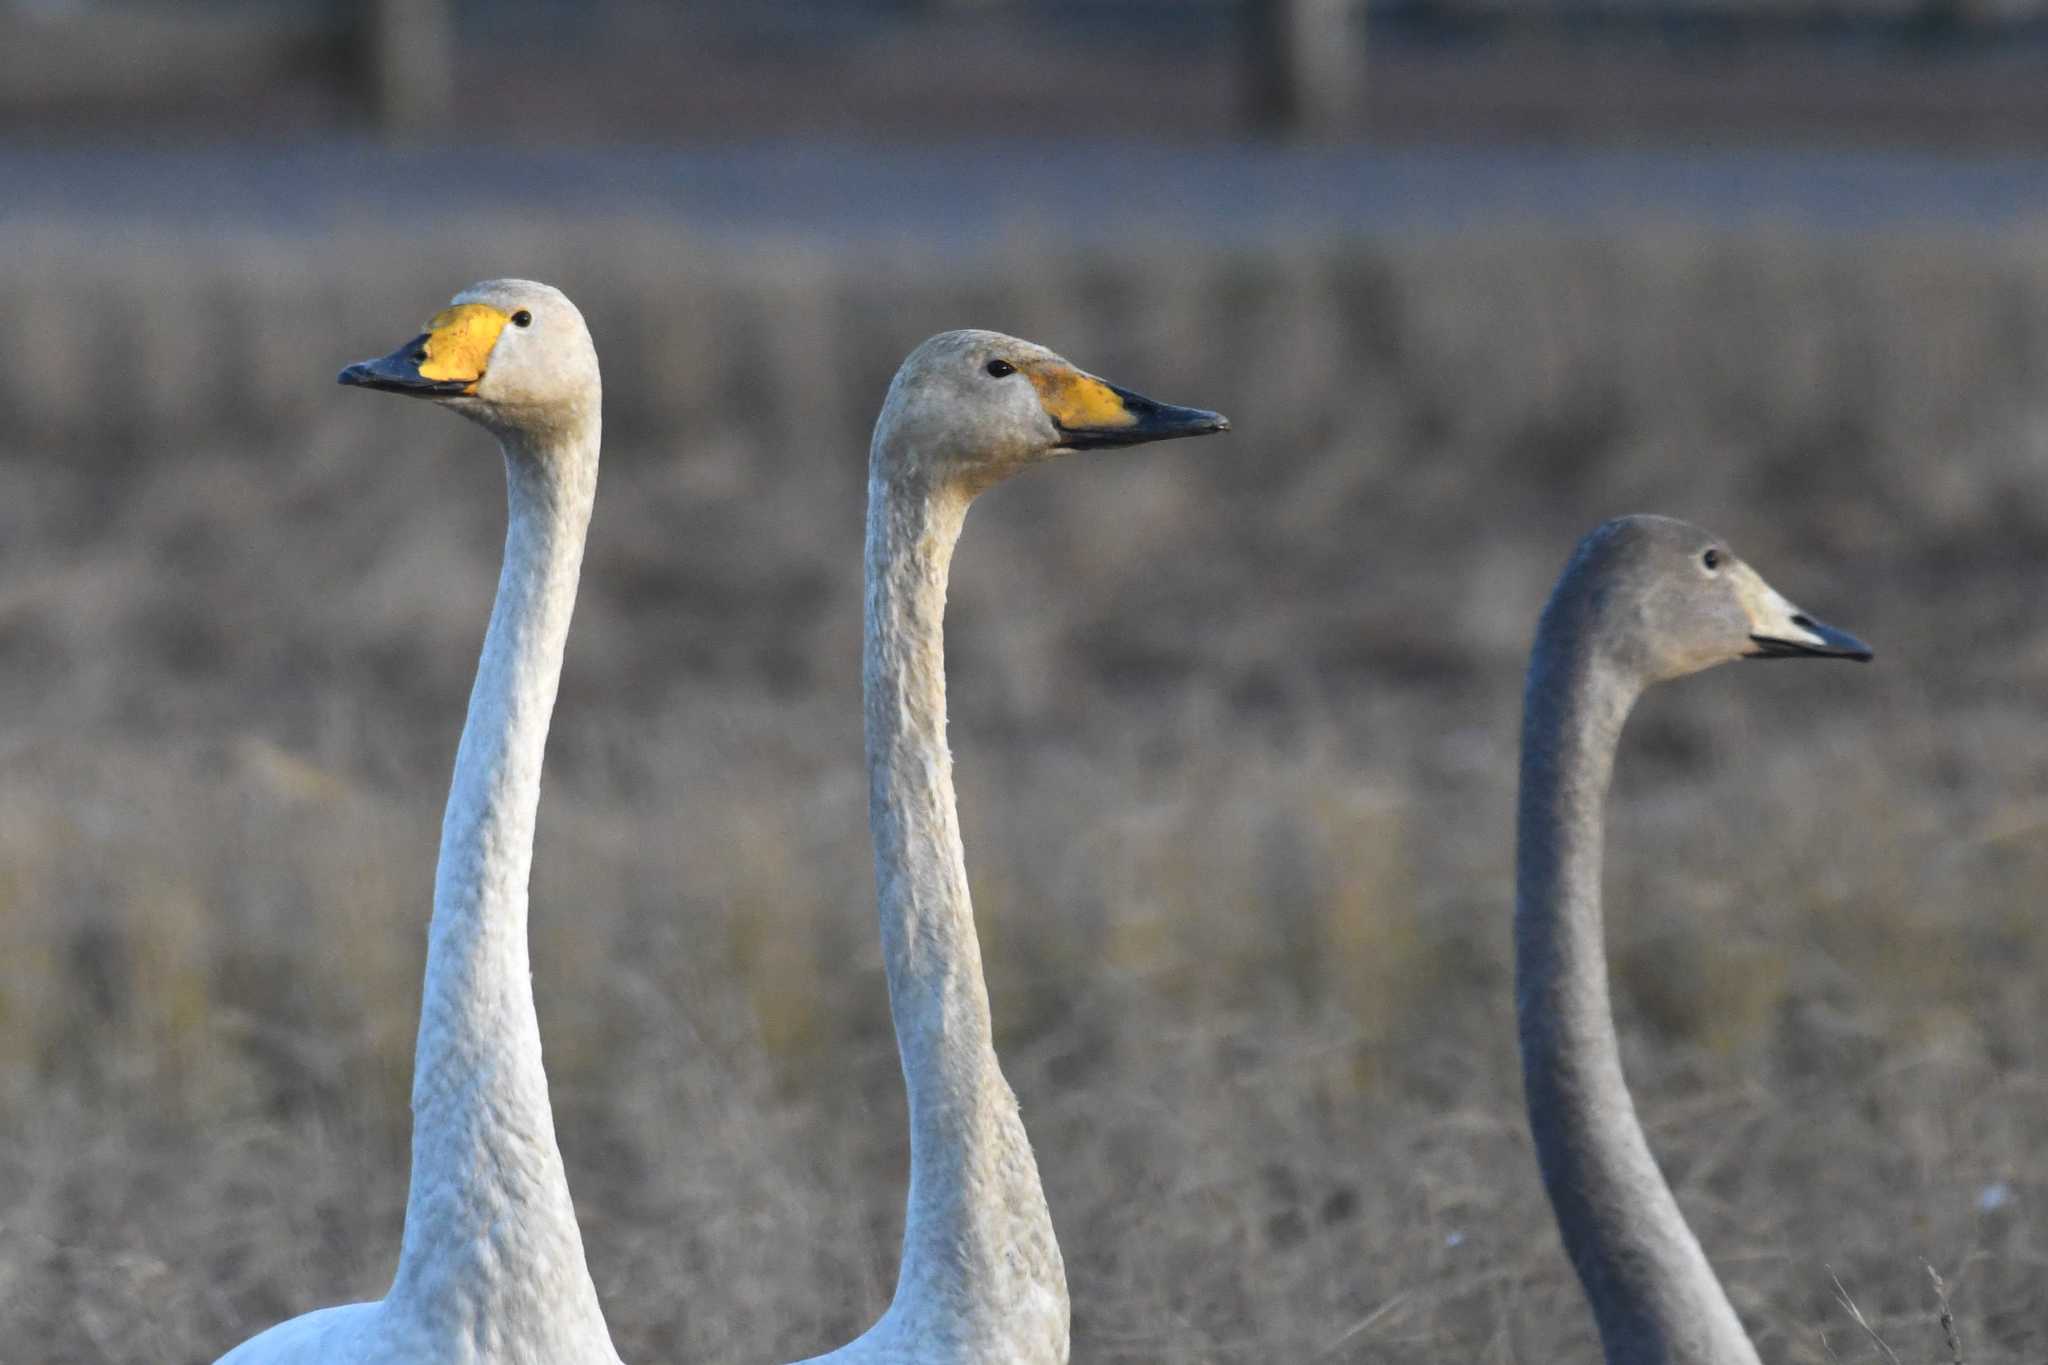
[
  {"x": 512, "y": 354},
  {"x": 971, "y": 408},
  {"x": 1667, "y": 599}
]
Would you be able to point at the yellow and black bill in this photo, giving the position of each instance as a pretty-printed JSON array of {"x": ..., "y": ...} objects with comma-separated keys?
[
  {"x": 1091, "y": 414},
  {"x": 448, "y": 360}
]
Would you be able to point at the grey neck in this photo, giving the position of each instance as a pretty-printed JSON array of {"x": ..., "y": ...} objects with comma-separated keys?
[
  {"x": 490, "y": 1232},
  {"x": 980, "y": 1266},
  {"x": 1654, "y": 1296}
]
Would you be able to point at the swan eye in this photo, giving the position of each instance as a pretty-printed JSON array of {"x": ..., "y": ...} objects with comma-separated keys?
[
  {"x": 998, "y": 369},
  {"x": 522, "y": 318},
  {"x": 1712, "y": 559}
]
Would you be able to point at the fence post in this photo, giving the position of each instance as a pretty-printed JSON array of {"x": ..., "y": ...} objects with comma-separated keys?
[
  {"x": 408, "y": 54},
  {"x": 1302, "y": 65}
]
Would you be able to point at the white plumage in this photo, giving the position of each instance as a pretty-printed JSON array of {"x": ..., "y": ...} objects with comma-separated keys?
[
  {"x": 491, "y": 1270},
  {"x": 981, "y": 1281}
]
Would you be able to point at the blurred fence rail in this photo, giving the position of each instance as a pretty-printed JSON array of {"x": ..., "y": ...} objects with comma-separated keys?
[
  {"x": 1395, "y": 68},
  {"x": 388, "y": 58}
]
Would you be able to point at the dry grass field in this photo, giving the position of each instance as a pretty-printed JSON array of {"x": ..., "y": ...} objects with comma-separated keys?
[{"x": 1236, "y": 732}]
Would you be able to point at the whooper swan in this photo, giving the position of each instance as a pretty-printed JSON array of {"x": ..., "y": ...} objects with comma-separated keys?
[
  {"x": 981, "y": 1280},
  {"x": 491, "y": 1269},
  {"x": 1644, "y": 600}
]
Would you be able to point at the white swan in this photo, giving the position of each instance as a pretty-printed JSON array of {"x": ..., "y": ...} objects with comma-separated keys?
[
  {"x": 1644, "y": 600},
  {"x": 491, "y": 1269},
  {"x": 981, "y": 1279}
]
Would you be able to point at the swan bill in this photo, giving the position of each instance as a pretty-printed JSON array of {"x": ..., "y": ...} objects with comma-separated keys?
[
  {"x": 1816, "y": 640},
  {"x": 1779, "y": 630},
  {"x": 1092, "y": 414},
  {"x": 447, "y": 360}
]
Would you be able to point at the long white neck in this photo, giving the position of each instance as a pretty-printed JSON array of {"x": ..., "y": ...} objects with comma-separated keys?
[
  {"x": 1655, "y": 1298},
  {"x": 980, "y": 1267},
  {"x": 491, "y": 1244}
]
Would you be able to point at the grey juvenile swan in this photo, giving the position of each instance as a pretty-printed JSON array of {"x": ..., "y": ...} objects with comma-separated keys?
[
  {"x": 981, "y": 1281},
  {"x": 491, "y": 1271},
  {"x": 1643, "y": 601}
]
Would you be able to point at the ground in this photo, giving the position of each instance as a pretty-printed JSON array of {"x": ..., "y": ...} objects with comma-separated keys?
[{"x": 1235, "y": 724}]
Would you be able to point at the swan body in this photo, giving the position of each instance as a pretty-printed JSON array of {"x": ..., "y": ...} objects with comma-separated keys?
[
  {"x": 491, "y": 1270},
  {"x": 981, "y": 1280},
  {"x": 1644, "y": 600}
]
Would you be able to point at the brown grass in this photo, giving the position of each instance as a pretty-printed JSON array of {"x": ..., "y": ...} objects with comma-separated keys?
[{"x": 1236, "y": 733}]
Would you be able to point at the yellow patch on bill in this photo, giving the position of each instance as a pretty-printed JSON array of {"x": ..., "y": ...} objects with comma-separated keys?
[
  {"x": 459, "y": 342},
  {"x": 1079, "y": 402}
]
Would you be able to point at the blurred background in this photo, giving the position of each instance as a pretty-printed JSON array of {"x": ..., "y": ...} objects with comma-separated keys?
[{"x": 1235, "y": 721}]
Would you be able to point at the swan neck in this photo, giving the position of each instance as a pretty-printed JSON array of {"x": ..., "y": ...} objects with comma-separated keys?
[
  {"x": 929, "y": 946},
  {"x": 978, "y": 1254},
  {"x": 1653, "y": 1294},
  {"x": 490, "y": 1233}
]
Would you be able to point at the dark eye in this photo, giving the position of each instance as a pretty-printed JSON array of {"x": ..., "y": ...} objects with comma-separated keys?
[
  {"x": 522, "y": 318},
  {"x": 1712, "y": 559},
  {"x": 997, "y": 369}
]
